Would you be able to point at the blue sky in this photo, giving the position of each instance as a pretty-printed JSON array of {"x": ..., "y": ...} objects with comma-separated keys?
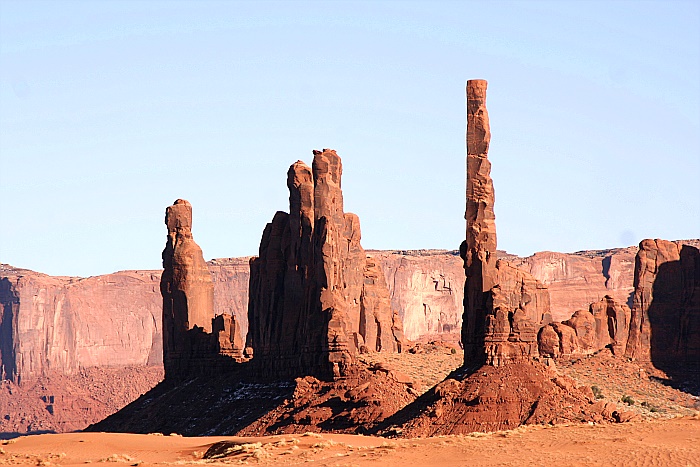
[{"x": 109, "y": 111}]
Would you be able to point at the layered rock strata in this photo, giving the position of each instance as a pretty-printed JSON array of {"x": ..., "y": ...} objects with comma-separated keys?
[
  {"x": 665, "y": 321},
  {"x": 59, "y": 325},
  {"x": 503, "y": 307},
  {"x": 315, "y": 297},
  {"x": 194, "y": 339}
]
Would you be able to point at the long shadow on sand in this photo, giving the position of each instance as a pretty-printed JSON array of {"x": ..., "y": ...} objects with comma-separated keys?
[{"x": 205, "y": 405}]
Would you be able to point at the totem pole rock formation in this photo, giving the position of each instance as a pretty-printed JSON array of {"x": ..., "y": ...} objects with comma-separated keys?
[
  {"x": 315, "y": 297},
  {"x": 501, "y": 313},
  {"x": 665, "y": 322},
  {"x": 193, "y": 337}
]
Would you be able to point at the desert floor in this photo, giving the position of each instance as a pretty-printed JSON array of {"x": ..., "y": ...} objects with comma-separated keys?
[{"x": 672, "y": 442}]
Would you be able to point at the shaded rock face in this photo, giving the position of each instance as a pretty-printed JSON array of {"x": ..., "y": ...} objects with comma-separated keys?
[
  {"x": 52, "y": 325},
  {"x": 503, "y": 307},
  {"x": 194, "y": 340},
  {"x": 315, "y": 297},
  {"x": 665, "y": 322}
]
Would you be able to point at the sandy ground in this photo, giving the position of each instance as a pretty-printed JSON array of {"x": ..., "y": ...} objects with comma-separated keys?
[{"x": 673, "y": 442}]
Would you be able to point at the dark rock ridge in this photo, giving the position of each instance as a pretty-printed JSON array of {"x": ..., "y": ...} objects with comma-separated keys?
[
  {"x": 194, "y": 339},
  {"x": 503, "y": 306},
  {"x": 315, "y": 298}
]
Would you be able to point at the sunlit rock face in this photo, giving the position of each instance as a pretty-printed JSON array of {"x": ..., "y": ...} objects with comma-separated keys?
[{"x": 503, "y": 306}]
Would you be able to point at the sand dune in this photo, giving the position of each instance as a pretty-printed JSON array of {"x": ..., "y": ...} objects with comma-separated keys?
[{"x": 650, "y": 443}]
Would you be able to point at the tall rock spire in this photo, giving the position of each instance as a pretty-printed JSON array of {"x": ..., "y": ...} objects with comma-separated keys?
[
  {"x": 503, "y": 306},
  {"x": 479, "y": 250},
  {"x": 194, "y": 340},
  {"x": 315, "y": 298}
]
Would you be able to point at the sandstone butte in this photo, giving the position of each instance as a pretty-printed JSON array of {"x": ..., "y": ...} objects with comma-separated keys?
[{"x": 316, "y": 298}]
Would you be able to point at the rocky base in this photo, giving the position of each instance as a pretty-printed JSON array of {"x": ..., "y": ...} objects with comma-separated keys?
[
  {"x": 59, "y": 403},
  {"x": 501, "y": 398},
  {"x": 237, "y": 405}
]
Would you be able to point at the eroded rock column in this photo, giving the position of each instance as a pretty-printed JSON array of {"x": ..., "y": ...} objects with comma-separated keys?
[
  {"x": 187, "y": 289},
  {"x": 503, "y": 306},
  {"x": 313, "y": 296}
]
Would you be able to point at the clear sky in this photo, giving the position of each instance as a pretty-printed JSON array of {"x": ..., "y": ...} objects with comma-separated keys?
[{"x": 109, "y": 111}]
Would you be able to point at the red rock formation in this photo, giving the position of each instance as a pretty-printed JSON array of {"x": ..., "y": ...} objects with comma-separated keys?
[
  {"x": 52, "y": 325},
  {"x": 612, "y": 323},
  {"x": 427, "y": 289},
  {"x": 604, "y": 324},
  {"x": 575, "y": 280},
  {"x": 665, "y": 323},
  {"x": 189, "y": 345},
  {"x": 315, "y": 299},
  {"x": 502, "y": 311}
]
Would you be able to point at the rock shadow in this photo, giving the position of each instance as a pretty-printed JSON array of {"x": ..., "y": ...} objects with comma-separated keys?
[{"x": 674, "y": 321}]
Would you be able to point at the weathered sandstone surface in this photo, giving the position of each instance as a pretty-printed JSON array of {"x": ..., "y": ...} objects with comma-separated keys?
[
  {"x": 195, "y": 339},
  {"x": 427, "y": 288},
  {"x": 665, "y": 322},
  {"x": 503, "y": 306},
  {"x": 61, "y": 324},
  {"x": 316, "y": 299},
  {"x": 605, "y": 324},
  {"x": 575, "y": 280}
]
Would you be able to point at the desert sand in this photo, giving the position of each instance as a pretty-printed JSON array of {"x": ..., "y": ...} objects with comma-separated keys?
[{"x": 673, "y": 442}]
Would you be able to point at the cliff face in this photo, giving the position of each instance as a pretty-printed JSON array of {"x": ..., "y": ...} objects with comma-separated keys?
[
  {"x": 576, "y": 280},
  {"x": 427, "y": 288},
  {"x": 63, "y": 324},
  {"x": 665, "y": 322}
]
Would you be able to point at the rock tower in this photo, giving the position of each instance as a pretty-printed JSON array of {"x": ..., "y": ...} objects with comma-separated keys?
[
  {"x": 316, "y": 299},
  {"x": 503, "y": 306},
  {"x": 194, "y": 339}
]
